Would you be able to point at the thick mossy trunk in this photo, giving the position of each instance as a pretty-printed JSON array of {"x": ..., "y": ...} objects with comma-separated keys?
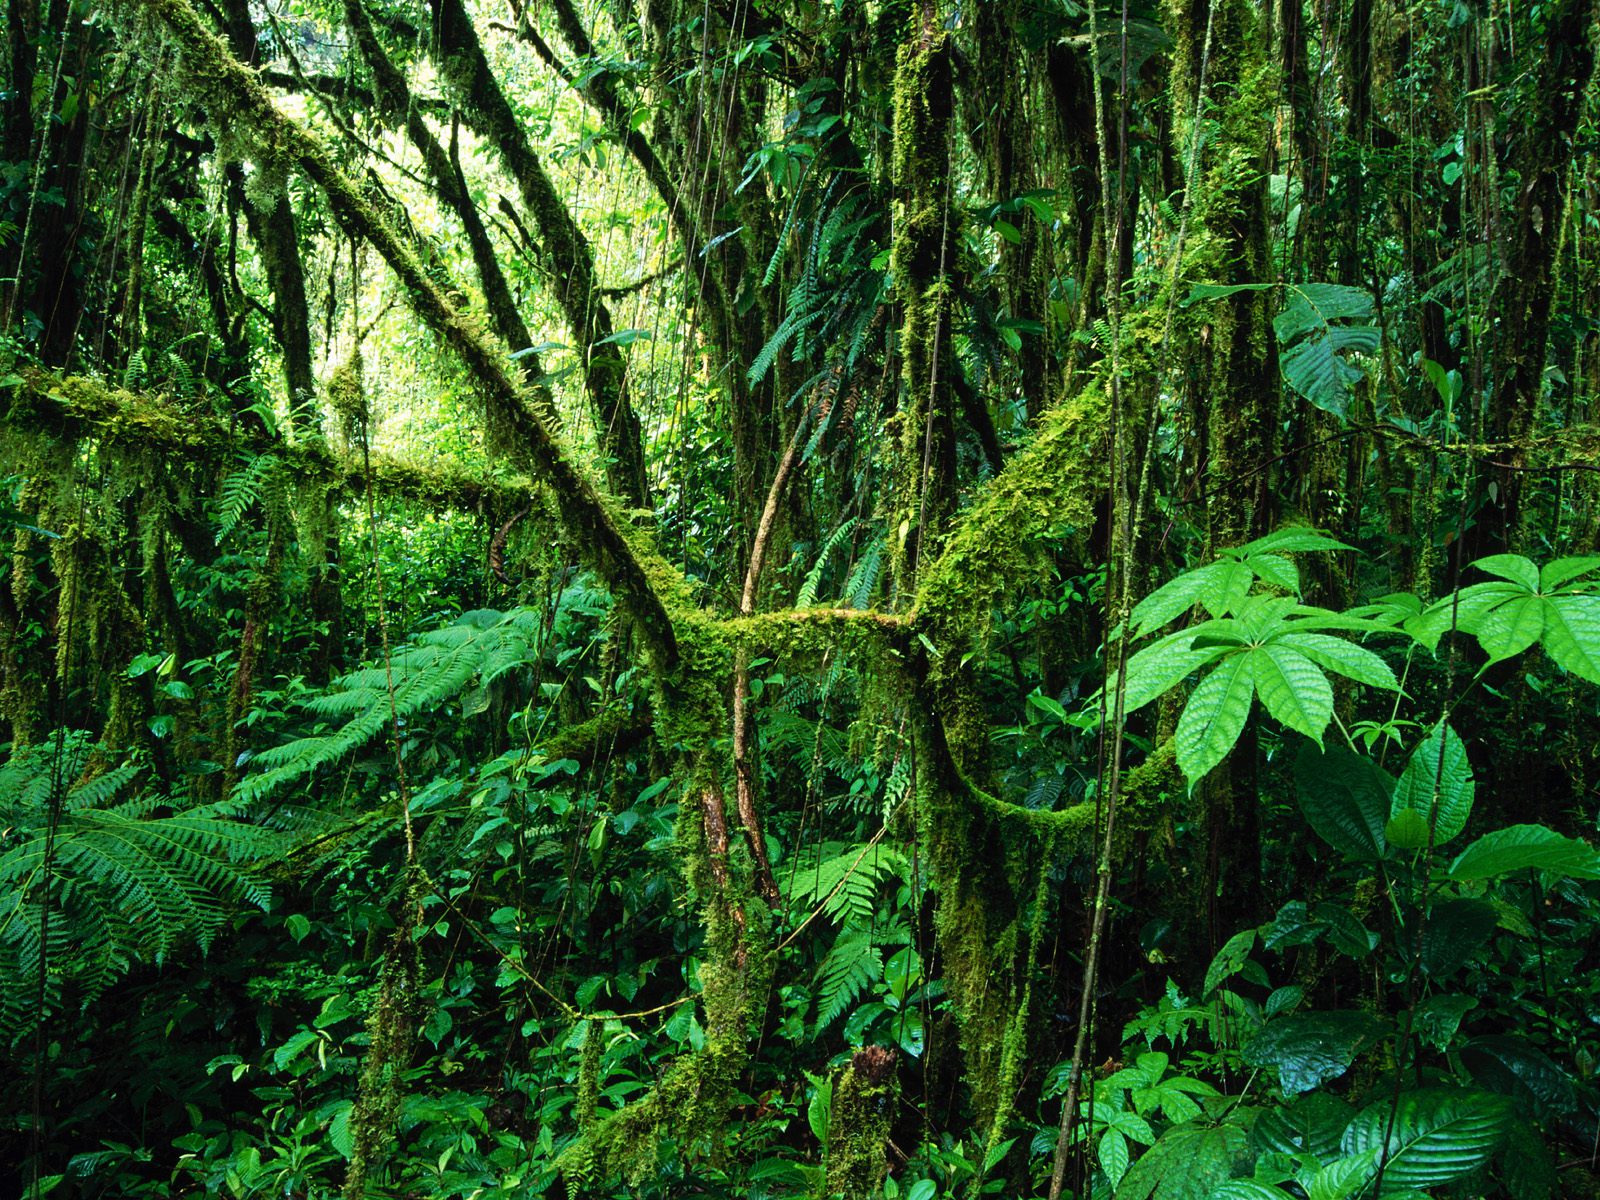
[
  {"x": 1541, "y": 154},
  {"x": 1232, "y": 352},
  {"x": 924, "y": 248}
]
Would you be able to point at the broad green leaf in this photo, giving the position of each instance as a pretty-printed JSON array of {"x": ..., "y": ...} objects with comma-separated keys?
[
  {"x": 1514, "y": 567},
  {"x": 1284, "y": 999},
  {"x": 1454, "y": 932},
  {"x": 1214, "y": 717},
  {"x": 1438, "y": 1134},
  {"x": 1248, "y": 1189},
  {"x": 1225, "y": 586},
  {"x": 1221, "y": 291},
  {"x": 1308, "y": 1049},
  {"x": 1345, "y": 932},
  {"x": 1345, "y": 658},
  {"x": 340, "y": 1136},
  {"x": 1514, "y": 1067},
  {"x": 1315, "y": 369},
  {"x": 1345, "y": 799},
  {"x": 1189, "y": 1162},
  {"x": 1522, "y": 848},
  {"x": 1159, "y": 668},
  {"x": 1133, "y": 1127},
  {"x": 1312, "y": 1125},
  {"x": 1461, "y": 610},
  {"x": 1293, "y": 690},
  {"x": 1395, "y": 608},
  {"x": 1113, "y": 1155},
  {"x": 1263, "y": 617},
  {"x": 1343, "y": 1178},
  {"x": 1438, "y": 1018},
  {"x": 1173, "y": 598},
  {"x": 1414, "y": 793},
  {"x": 1508, "y": 629},
  {"x": 1313, "y": 304},
  {"x": 1228, "y": 960},
  {"x": 1288, "y": 539},
  {"x": 1312, "y": 345},
  {"x": 1564, "y": 570},
  {"x": 1572, "y": 634},
  {"x": 1276, "y": 570}
]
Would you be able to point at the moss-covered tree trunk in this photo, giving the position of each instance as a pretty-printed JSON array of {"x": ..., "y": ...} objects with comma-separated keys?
[{"x": 1232, "y": 352}]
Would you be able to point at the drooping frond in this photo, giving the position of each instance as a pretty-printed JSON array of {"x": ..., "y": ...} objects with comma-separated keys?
[
  {"x": 437, "y": 667},
  {"x": 130, "y": 877}
]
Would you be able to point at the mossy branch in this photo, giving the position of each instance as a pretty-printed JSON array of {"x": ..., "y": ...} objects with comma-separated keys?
[{"x": 73, "y": 408}]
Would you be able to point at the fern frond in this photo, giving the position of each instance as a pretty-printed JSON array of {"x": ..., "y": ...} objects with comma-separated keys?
[
  {"x": 129, "y": 880},
  {"x": 852, "y": 965},
  {"x": 437, "y": 668}
]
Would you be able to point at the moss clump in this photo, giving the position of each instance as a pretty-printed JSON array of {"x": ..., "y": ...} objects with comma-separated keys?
[{"x": 863, "y": 1109}]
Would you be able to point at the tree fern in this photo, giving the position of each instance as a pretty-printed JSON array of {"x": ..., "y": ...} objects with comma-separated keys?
[
  {"x": 132, "y": 874},
  {"x": 436, "y": 668}
]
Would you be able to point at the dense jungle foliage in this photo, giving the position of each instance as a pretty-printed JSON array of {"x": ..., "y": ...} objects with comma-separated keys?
[{"x": 800, "y": 598}]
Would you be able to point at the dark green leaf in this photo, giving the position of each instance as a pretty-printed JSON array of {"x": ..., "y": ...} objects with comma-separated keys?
[
  {"x": 1439, "y": 764},
  {"x": 1345, "y": 800},
  {"x": 1308, "y": 1049},
  {"x": 1312, "y": 1125},
  {"x": 1437, "y": 1134},
  {"x": 1454, "y": 932}
]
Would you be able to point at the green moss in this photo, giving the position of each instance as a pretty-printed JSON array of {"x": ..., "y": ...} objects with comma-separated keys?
[{"x": 864, "y": 1099}]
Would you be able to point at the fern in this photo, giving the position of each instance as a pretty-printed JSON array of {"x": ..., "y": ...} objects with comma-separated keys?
[
  {"x": 436, "y": 668},
  {"x": 131, "y": 877},
  {"x": 851, "y": 966},
  {"x": 813, "y": 580},
  {"x": 845, "y": 880},
  {"x": 864, "y": 575},
  {"x": 242, "y": 488}
]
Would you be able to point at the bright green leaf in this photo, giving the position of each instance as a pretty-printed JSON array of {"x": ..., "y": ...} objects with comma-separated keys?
[
  {"x": 1293, "y": 690},
  {"x": 1522, "y": 848},
  {"x": 1214, "y": 717}
]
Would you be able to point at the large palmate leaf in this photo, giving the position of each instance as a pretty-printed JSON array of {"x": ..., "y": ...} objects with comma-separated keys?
[
  {"x": 1321, "y": 325},
  {"x": 1434, "y": 1135},
  {"x": 1556, "y": 606},
  {"x": 1257, "y": 645},
  {"x": 1436, "y": 784},
  {"x": 1220, "y": 587}
]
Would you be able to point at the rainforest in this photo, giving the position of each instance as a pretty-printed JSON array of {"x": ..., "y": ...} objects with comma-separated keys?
[{"x": 866, "y": 599}]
